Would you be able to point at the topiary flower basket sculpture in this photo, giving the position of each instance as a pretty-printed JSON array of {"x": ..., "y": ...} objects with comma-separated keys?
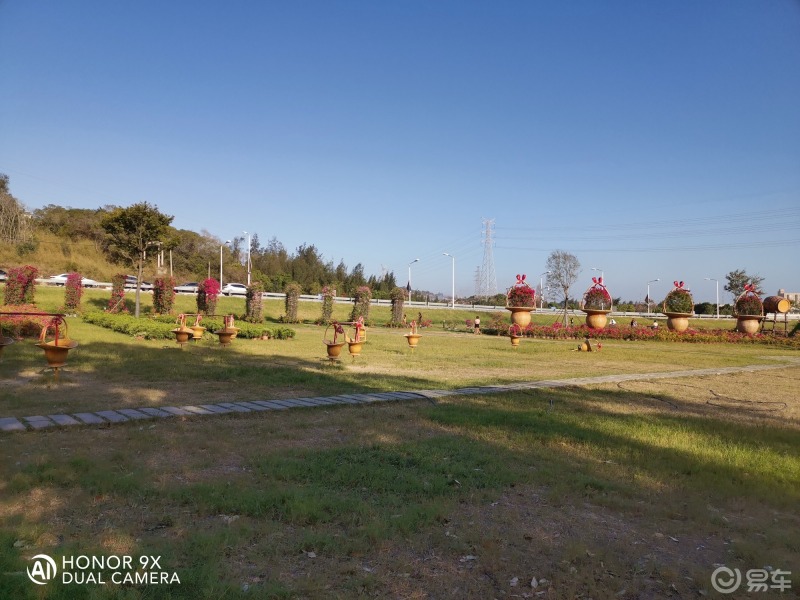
[
  {"x": 515, "y": 334},
  {"x": 678, "y": 306},
  {"x": 356, "y": 343},
  {"x": 521, "y": 300},
  {"x": 596, "y": 304},
  {"x": 334, "y": 346},
  {"x": 56, "y": 350},
  {"x": 197, "y": 329},
  {"x": 228, "y": 331},
  {"x": 182, "y": 332},
  {"x": 412, "y": 337},
  {"x": 749, "y": 310}
]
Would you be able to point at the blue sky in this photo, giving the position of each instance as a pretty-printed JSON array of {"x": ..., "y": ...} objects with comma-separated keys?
[{"x": 650, "y": 139}]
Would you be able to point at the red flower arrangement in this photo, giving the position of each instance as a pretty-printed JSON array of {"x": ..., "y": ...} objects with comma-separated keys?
[
  {"x": 748, "y": 304},
  {"x": 521, "y": 295},
  {"x": 597, "y": 296},
  {"x": 679, "y": 300}
]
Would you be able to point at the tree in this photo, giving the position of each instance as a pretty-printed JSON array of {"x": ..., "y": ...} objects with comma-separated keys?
[
  {"x": 563, "y": 270},
  {"x": 738, "y": 279},
  {"x": 130, "y": 232},
  {"x": 14, "y": 221}
]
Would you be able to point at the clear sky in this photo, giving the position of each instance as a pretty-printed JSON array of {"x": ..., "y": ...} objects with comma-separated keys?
[{"x": 650, "y": 139}]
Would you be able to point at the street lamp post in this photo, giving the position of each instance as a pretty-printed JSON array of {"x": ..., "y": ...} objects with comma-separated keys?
[
  {"x": 541, "y": 289},
  {"x": 717, "y": 282},
  {"x": 227, "y": 243},
  {"x": 454, "y": 276},
  {"x": 648, "y": 293},
  {"x": 409, "y": 277},
  {"x": 248, "y": 257}
]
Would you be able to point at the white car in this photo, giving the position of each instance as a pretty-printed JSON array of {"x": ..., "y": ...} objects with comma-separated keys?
[
  {"x": 62, "y": 280},
  {"x": 187, "y": 288},
  {"x": 234, "y": 289}
]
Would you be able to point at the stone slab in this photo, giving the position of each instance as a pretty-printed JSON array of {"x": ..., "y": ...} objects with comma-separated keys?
[
  {"x": 232, "y": 406},
  {"x": 216, "y": 408},
  {"x": 288, "y": 403},
  {"x": 39, "y": 422},
  {"x": 89, "y": 418},
  {"x": 11, "y": 424},
  {"x": 174, "y": 410},
  {"x": 271, "y": 405},
  {"x": 154, "y": 412},
  {"x": 251, "y": 406},
  {"x": 134, "y": 414},
  {"x": 64, "y": 420},
  {"x": 112, "y": 416},
  {"x": 197, "y": 410}
]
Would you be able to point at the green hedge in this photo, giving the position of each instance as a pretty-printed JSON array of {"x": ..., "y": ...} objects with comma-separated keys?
[{"x": 160, "y": 327}]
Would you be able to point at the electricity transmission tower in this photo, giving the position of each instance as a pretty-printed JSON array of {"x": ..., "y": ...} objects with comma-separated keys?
[{"x": 488, "y": 281}]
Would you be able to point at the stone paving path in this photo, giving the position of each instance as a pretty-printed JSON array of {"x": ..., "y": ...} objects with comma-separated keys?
[{"x": 122, "y": 415}]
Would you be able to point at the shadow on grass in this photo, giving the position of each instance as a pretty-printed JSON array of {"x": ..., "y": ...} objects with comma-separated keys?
[{"x": 691, "y": 448}]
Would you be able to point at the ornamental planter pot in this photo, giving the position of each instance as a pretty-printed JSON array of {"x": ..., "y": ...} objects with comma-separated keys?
[
  {"x": 515, "y": 341},
  {"x": 596, "y": 318},
  {"x": 520, "y": 315},
  {"x": 55, "y": 352},
  {"x": 354, "y": 348},
  {"x": 678, "y": 321},
  {"x": 748, "y": 323},
  {"x": 226, "y": 335},
  {"x": 413, "y": 339},
  {"x": 197, "y": 332},
  {"x": 182, "y": 335},
  {"x": 334, "y": 349}
]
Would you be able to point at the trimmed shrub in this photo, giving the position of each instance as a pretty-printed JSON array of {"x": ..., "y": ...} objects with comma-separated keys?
[
  {"x": 21, "y": 285},
  {"x": 73, "y": 290},
  {"x": 398, "y": 297},
  {"x": 292, "y": 292},
  {"x": 361, "y": 301},
  {"x": 328, "y": 295},
  {"x": 116, "y": 303},
  {"x": 163, "y": 295},
  {"x": 253, "y": 303},
  {"x": 207, "y": 294}
]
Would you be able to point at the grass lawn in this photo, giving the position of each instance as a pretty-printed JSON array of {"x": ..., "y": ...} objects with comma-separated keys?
[{"x": 631, "y": 490}]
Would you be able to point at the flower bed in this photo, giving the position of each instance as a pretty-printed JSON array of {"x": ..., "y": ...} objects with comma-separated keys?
[{"x": 21, "y": 326}]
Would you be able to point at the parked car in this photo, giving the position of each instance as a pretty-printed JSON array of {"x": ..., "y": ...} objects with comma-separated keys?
[
  {"x": 187, "y": 288},
  {"x": 234, "y": 289},
  {"x": 3, "y": 275},
  {"x": 62, "y": 280}
]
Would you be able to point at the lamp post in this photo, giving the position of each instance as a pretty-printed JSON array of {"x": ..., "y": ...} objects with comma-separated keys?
[
  {"x": 648, "y": 293},
  {"x": 227, "y": 243},
  {"x": 717, "y": 281},
  {"x": 598, "y": 269},
  {"x": 409, "y": 277},
  {"x": 248, "y": 257},
  {"x": 541, "y": 289},
  {"x": 454, "y": 276}
]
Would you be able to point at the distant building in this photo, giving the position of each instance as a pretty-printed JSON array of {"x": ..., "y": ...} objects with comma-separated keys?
[{"x": 793, "y": 297}]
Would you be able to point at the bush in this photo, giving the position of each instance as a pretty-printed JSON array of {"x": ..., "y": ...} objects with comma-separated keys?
[
  {"x": 361, "y": 302},
  {"x": 21, "y": 285},
  {"x": 207, "y": 294},
  {"x": 328, "y": 295},
  {"x": 398, "y": 296},
  {"x": 292, "y": 295},
  {"x": 163, "y": 295},
  {"x": 253, "y": 303},
  {"x": 116, "y": 303},
  {"x": 73, "y": 290},
  {"x": 19, "y": 326},
  {"x": 678, "y": 300}
]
